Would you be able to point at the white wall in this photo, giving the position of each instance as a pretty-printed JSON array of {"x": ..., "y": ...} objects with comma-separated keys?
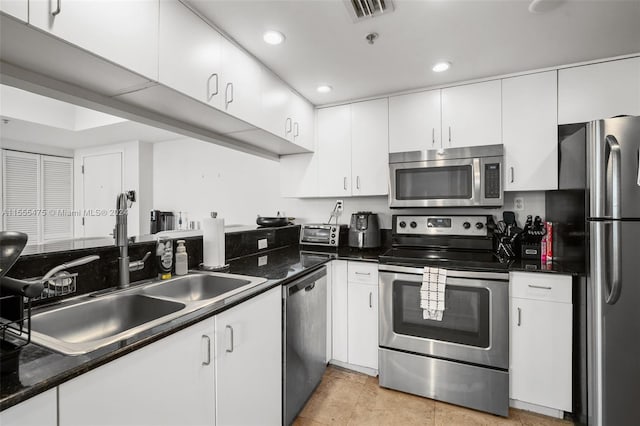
[
  {"x": 318, "y": 210},
  {"x": 199, "y": 177}
]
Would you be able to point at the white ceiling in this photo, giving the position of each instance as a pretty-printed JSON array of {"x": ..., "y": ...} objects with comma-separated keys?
[
  {"x": 41, "y": 134},
  {"x": 481, "y": 38},
  {"x": 31, "y": 118}
]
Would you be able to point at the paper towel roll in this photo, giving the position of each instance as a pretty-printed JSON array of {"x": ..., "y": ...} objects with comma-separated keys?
[{"x": 213, "y": 242}]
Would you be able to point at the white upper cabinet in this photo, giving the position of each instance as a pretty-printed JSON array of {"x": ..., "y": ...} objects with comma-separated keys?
[
  {"x": 414, "y": 122},
  {"x": 530, "y": 132},
  {"x": 240, "y": 84},
  {"x": 598, "y": 91},
  {"x": 369, "y": 147},
  {"x": 125, "y": 32},
  {"x": 303, "y": 116},
  {"x": 190, "y": 57},
  {"x": 16, "y": 8},
  {"x": 276, "y": 100},
  {"x": 471, "y": 115},
  {"x": 334, "y": 151}
]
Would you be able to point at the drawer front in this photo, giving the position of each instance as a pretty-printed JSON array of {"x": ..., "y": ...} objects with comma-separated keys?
[
  {"x": 541, "y": 286},
  {"x": 363, "y": 272}
]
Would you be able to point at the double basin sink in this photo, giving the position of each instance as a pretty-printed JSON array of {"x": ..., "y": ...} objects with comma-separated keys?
[{"x": 94, "y": 322}]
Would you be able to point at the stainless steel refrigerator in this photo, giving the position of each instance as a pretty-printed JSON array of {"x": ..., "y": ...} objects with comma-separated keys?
[{"x": 599, "y": 170}]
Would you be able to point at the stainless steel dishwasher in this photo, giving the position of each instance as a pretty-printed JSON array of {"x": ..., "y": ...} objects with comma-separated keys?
[{"x": 304, "y": 340}]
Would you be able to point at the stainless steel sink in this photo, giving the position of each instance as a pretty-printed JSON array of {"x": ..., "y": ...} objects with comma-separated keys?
[
  {"x": 86, "y": 326},
  {"x": 194, "y": 288},
  {"x": 82, "y": 326}
]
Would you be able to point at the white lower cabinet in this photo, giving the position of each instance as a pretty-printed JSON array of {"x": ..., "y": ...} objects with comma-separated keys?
[
  {"x": 168, "y": 382},
  {"x": 363, "y": 324},
  {"x": 541, "y": 340},
  {"x": 355, "y": 313},
  {"x": 41, "y": 410},
  {"x": 248, "y": 362},
  {"x": 339, "y": 311}
]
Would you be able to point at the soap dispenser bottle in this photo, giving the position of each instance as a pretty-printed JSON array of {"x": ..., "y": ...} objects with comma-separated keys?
[{"x": 181, "y": 259}]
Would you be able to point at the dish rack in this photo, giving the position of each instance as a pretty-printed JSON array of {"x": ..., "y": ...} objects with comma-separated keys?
[
  {"x": 60, "y": 284},
  {"x": 19, "y": 325},
  {"x": 18, "y": 308}
]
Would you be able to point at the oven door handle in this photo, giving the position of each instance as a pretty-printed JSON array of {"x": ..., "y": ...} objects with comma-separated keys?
[{"x": 412, "y": 270}]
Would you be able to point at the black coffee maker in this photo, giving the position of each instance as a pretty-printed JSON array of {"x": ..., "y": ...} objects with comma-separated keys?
[
  {"x": 162, "y": 221},
  {"x": 364, "y": 230}
]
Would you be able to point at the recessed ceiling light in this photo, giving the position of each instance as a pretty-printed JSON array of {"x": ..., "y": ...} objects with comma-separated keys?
[
  {"x": 324, "y": 88},
  {"x": 441, "y": 66},
  {"x": 273, "y": 37}
]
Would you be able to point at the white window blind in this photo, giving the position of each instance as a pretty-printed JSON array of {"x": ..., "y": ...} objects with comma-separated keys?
[
  {"x": 36, "y": 191},
  {"x": 21, "y": 193}
]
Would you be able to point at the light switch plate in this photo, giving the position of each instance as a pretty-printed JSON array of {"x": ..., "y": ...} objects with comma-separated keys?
[
  {"x": 263, "y": 260},
  {"x": 262, "y": 244}
]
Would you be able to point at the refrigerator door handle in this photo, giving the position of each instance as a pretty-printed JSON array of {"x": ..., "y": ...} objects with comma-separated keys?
[
  {"x": 616, "y": 255},
  {"x": 613, "y": 151},
  {"x": 638, "y": 166}
]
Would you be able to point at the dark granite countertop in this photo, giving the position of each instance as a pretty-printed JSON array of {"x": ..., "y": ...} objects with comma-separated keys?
[{"x": 40, "y": 369}]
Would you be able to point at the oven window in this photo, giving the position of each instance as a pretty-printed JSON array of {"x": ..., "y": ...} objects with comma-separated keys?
[
  {"x": 434, "y": 183},
  {"x": 316, "y": 234},
  {"x": 465, "y": 319}
]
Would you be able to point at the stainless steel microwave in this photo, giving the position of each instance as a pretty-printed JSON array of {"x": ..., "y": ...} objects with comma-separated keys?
[{"x": 451, "y": 177}]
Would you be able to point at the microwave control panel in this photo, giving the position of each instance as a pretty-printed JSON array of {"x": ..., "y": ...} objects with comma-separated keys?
[{"x": 492, "y": 180}]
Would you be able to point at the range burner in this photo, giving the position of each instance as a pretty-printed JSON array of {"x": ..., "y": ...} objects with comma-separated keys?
[{"x": 452, "y": 242}]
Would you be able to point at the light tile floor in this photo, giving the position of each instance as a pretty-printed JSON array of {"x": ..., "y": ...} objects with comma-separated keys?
[{"x": 348, "y": 398}]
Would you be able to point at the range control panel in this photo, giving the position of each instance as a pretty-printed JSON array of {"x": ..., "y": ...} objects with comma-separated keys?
[{"x": 441, "y": 225}]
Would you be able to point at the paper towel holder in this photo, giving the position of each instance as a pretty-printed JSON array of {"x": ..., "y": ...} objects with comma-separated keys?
[{"x": 203, "y": 267}]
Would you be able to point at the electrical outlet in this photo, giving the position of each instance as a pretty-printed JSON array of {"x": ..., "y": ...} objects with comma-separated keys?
[
  {"x": 262, "y": 244},
  {"x": 339, "y": 206},
  {"x": 518, "y": 203}
]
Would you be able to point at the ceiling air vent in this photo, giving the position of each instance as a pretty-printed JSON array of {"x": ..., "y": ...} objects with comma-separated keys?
[{"x": 363, "y": 9}]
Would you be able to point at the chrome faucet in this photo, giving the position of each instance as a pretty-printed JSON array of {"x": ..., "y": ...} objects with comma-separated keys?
[{"x": 123, "y": 202}]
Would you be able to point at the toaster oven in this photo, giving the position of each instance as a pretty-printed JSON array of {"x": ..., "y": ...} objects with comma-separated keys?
[{"x": 320, "y": 234}]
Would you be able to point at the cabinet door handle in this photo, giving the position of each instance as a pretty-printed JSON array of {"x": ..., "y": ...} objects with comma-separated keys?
[
  {"x": 58, "y": 8},
  {"x": 513, "y": 174},
  {"x": 208, "y": 339},
  {"x": 344, "y": 183},
  {"x": 449, "y": 135},
  {"x": 230, "y": 345},
  {"x": 519, "y": 317},
  {"x": 363, "y": 273},
  {"x": 433, "y": 136},
  {"x": 211, "y": 94},
  {"x": 296, "y": 130},
  {"x": 371, "y": 299},
  {"x": 228, "y": 99},
  {"x": 540, "y": 286},
  {"x": 357, "y": 182},
  {"x": 287, "y": 126}
]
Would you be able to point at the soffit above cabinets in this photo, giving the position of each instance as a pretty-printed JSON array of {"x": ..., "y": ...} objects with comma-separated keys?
[{"x": 325, "y": 46}]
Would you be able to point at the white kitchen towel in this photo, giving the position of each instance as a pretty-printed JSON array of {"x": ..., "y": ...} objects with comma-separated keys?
[{"x": 432, "y": 291}]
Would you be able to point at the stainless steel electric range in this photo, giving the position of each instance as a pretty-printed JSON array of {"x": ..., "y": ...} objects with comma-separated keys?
[{"x": 464, "y": 358}]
